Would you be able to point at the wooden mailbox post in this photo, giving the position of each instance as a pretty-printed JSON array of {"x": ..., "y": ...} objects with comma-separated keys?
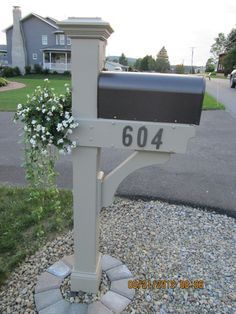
[{"x": 153, "y": 142}]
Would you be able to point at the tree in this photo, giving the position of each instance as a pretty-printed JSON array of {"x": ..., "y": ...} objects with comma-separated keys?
[
  {"x": 147, "y": 64},
  {"x": 179, "y": 69},
  {"x": 219, "y": 45},
  {"x": 162, "y": 61},
  {"x": 123, "y": 60},
  {"x": 210, "y": 65},
  {"x": 137, "y": 64},
  {"x": 231, "y": 40},
  {"x": 229, "y": 61}
]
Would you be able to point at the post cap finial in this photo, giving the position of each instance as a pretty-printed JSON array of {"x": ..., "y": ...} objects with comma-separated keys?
[{"x": 86, "y": 27}]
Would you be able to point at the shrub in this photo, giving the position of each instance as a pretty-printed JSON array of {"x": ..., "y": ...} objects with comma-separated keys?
[
  {"x": 16, "y": 71},
  {"x": 3, "y": 82},
  {"x": 67, "y": 73},
  {"x": 45, "y": 71},
  {"x": 37, "y": 69},
  {"x": 7, "y": 72},
  {"x": 27, "y": 69},
  {"x": 55, "y": 72}
]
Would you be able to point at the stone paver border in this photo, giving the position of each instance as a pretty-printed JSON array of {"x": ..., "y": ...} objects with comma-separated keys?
[{"x": 49, "y": 300}]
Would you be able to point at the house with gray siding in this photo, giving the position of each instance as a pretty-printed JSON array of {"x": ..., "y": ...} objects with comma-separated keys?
[{"x": 36, "y": 40}]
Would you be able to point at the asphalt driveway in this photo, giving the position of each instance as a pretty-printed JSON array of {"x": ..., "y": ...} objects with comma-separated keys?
[{"x": 205, "y": 176}]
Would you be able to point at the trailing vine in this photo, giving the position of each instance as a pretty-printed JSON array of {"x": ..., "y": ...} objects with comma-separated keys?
[{"x": 48, "y": 124}]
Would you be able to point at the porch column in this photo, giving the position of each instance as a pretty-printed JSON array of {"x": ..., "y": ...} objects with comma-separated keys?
[
  {"x": 43, "y": 60},
  {"x": 50, "y": 60},
  {"x": 66, "y": 60}
]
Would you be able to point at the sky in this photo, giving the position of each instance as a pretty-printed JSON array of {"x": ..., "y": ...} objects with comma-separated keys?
[{"x": 143, "y": 27}]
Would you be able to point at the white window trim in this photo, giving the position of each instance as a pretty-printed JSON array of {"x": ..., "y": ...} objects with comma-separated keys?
[
  {"x": 68, "y": 41},
  {"x": 62, "y": 39},
  {"x": 44, "y": 40},
  {"x": 35, "y": 56},
  {"x": 57, "y": 39}
]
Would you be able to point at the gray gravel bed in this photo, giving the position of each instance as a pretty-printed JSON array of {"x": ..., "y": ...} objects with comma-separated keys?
[{"x": 157, "y": 241}]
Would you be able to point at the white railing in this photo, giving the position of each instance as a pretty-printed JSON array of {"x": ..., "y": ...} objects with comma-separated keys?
[{"x": 56, "y": 66}]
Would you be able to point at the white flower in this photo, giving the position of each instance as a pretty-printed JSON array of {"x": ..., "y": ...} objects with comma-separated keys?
[
  {"x": 47, "y": 133},
  {"x": 38, "y": 128},
  {"x": 60, "y": 141},
  {"x": 44, "y": 152},
  {"x": 43, "y": 129},
  {"x": 19, "y": 106},
  {"x": 48, "y": 119},
  {"x": 53, "y": 108},
  {"x": 46, "y": 80},
  {"x": 44, "y": 110},
  {"x": 50, "y": 113},
  {"x": 68, "y": 150},
  {"x": 69, "y": 131},
  {"x": 59, "y": 127},
  {"x": 32, "y": 141},
  {"x": 43, "y": 138},
  {"x": 73, "y": 145},
  {"x": 45, "y": 95},
  {"x": 65, "y": 124},
  {"x": 38, "y": 108},
  {"x": 71, "y": 119}
]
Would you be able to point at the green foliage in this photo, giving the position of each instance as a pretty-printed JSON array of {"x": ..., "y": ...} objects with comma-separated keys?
[
  {"x": 219, "y": 45},
  {"x": 48, "y": 122},
  {"x": 67, "y": 73},
  {"x": 179, "y": 69},
  {"x": 10, "y": 72},
  {"x": 54, "y": 72},
  {"x": 19, "y": 224},
  {"x": 123, "y": 60},
  {"x": 37, "y": 69},
  {"x": 162, "y": 65},
  {"x": 27, "y": 69},
  {"x": 229, "y": 61},
  {"x": 3, "y": 82},
  {"x": 137, "y": 64},
  {"x": 45, "y": 71},
  {"x": 162, "y": 61},
  {"x": 231, "y": 40},
  {"x": 210, "y": 65}
]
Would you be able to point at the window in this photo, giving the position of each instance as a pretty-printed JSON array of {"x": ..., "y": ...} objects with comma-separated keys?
[
  {"x": 35, "y": 56},
  {"x": 68, "y": 41},
  {"x": 57, "y": 39},
  {"x": 44, "y": 40},
  {"x": 62, "y": 39}
]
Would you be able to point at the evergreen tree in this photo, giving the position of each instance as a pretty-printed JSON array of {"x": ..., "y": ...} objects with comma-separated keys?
[
  {"x": 162, "y": 61},
  {"x": 123, "y": 60}
]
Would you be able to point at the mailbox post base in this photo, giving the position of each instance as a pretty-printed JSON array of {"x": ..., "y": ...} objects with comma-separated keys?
[{"x": 87, "y": 282}]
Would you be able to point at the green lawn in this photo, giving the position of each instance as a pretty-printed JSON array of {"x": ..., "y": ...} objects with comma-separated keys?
[
  {"x": 18, "y": 226},
  {"x": 210, "y": 103},
  {"x": 10, "y": 99}
]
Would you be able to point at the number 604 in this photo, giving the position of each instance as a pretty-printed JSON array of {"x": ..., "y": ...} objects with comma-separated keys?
[{"x": 142, "y": 137}]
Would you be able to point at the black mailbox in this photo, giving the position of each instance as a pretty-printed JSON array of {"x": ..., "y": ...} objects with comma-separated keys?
[{"x": 150, "y": 97}]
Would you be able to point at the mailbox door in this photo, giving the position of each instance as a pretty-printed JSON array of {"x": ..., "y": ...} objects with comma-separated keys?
[{"x": 150, "y": 97}]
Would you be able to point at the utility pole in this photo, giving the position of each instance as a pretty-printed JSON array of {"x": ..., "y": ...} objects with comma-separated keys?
[{"x": 192, "y": 48}]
